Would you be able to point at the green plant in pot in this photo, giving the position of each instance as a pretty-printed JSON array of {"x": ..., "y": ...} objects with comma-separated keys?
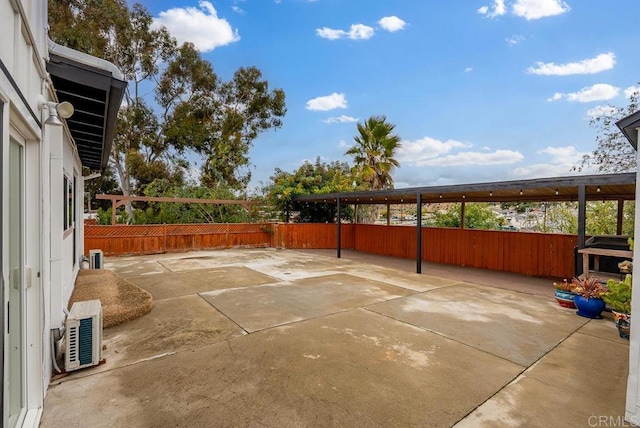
[
  {"x": 588, "y": 297},
  {"x": 618, "y": 297},
  {"x": 564, "y": 294}
]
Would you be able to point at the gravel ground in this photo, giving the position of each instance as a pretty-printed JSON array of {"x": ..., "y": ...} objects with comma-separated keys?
[{"x": 121, "y": 300}]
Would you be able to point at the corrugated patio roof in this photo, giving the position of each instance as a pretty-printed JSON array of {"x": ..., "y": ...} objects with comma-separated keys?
[{"x": 597, "y": 187}]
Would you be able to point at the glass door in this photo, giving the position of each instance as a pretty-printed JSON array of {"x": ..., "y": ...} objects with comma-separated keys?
[{"x": 15, "y": 358}]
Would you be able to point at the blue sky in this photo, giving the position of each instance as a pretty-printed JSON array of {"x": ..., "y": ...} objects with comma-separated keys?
[{"x": 479, "y": 90}]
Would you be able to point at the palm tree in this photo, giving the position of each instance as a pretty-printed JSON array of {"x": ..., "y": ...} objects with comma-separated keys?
[{"x": 374, "y": 150}]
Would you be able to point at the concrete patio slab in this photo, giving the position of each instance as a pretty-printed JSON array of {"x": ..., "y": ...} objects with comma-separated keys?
[
  {"x": 350, "y": 369},
  {"x": 257, "y": 308},
  {"x": 293, "y": 267},
  {"x": 429, "y": 358},
  {"x": 512, "y": 325},
  {"x": 218, "y": 258},
  {"x": 172, "y": 326},
  {"x": 590, "y": 368},
  {"x": 181, "y": 283},
  {"x": 412, "y": 281},
  {"x": 604, "y": 329},
  {"x": 491, "y": 278},
  {"x": 132, "y": 267}
]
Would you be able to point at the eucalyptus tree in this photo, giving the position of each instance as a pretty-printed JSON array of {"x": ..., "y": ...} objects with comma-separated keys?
[
  {"x": 613, "y": 153},
  {"x": 374, "y": 150},
  {"x": 175, "y": 103}
]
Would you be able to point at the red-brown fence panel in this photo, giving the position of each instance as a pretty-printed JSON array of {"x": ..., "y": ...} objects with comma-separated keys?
[
  {"x": 154, "y": 239},
  {"x": 536, "y": 254},
  {"x": 314, "y": 235}
]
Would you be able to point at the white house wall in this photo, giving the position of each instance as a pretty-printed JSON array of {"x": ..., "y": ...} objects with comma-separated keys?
[{"x": 50, "y": 270}]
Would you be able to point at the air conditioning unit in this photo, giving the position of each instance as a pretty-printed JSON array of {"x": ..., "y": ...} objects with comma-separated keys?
[
  {"x": 83, "y": 331},
  {"x": 96, "y": 258}
]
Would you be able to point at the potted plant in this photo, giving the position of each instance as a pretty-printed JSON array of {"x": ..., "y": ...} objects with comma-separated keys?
[
  {"x": 564, "y": 294},
  {"x": 588, "y": 297},
  {"x": 618, "y": 297}
]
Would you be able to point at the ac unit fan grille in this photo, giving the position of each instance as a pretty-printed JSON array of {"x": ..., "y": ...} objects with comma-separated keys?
[{"x": 85, "y": 350}]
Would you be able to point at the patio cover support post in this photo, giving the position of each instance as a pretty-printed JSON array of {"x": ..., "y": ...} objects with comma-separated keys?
[
  {"x": 114, "y": 206},
  {"x": 620, "y": 216},
  {"x": 388, "y": 214},
  {"x": 462, "y": 213},
  {"x": 582, "y": 214},
  {"x": 419, "y": 234},
  {"x": 339, "y": 221}
]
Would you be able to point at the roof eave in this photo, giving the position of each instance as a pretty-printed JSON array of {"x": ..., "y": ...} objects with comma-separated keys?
[
  {"x": 76, "y": 68},
  {"x": 629, "y": 126}
]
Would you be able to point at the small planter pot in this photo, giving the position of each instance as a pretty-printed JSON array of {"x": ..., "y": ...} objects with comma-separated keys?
[
  {"x": 565, "y": 298},
  {"x": 589, "y": 308},
  {"x": 623, "y": 322}
]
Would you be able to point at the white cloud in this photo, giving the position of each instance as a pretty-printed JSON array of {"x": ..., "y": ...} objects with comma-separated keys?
[
  {"x": 436, "y": 153},
  {"x": 561, "y": 161},
  {"x": 356, "y": 32},
  {"x": 542, "y": 170},
  {"x": 340, "y": 119},
  {"x": 597, "y": 92},
  {"x": 343, "y": 145},
  {"x": 496, "y": 9},
  {"x": 237, "y": 9},
  {"x": 557, "y": 96},
  {"x": 330, "y": 33},
  {"x": 514, "y": 40},
  {"x": 327, "y": 102},
  {"x": 468, "y": 69},
  {"x": 499, "y": 157},
  {"x": 421, "y": 151},
  {"x": 200, "y": 26},
  {"x": 601, "y": 111},
  {"x": 392, "y": 23},
  {"x": 536, "y": 9},
  {"x": 594, "y": 65},
  {"x": 562, "y": 154},
  {"x": 631, "y": 90}
]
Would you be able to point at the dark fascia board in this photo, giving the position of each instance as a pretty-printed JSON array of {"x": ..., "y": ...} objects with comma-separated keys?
[
  {"x": 95, "y": 77},
  {"x": 113, "y": 105},
  {"x": 629, "y": 126},
  {"x": 453, "y": 192},
  {"x": 78, "y": 72}
]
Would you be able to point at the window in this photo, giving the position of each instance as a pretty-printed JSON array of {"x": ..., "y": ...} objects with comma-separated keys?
[{"x": 68, "y": 203}]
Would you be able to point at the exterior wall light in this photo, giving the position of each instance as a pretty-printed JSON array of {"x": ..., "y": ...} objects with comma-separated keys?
[{"x": 56, "y": 111}]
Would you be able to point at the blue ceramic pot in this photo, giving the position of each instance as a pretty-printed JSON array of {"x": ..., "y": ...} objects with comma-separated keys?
[
  {"x": 565, "y": 298},
  {"x": 589, "y": 308}
]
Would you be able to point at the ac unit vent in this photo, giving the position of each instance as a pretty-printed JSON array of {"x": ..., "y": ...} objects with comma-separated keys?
[
  {"x": 96, "y": 259},
  {"x": 84, "y": 335}
]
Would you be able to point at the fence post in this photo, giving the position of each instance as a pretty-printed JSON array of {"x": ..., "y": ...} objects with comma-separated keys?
[
  {"x": 165, "y": 237},
  {"x": 227, "y": 237}
]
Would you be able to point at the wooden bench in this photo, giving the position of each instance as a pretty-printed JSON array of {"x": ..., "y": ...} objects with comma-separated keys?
[{"x": 596, "y": 253}]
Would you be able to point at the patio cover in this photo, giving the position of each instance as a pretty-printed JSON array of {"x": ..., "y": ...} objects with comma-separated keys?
[
  {"x": 596, "y": 187},
  {"x": 580, "y": 188},
  {"x": 95, "y": 88}
]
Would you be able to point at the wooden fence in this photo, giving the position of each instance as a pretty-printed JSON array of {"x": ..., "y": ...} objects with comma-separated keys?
[
  {"x": 536, "y": 254},
  {"x": 313, "y": 235},
  {"x": 154, "y": 239}
]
